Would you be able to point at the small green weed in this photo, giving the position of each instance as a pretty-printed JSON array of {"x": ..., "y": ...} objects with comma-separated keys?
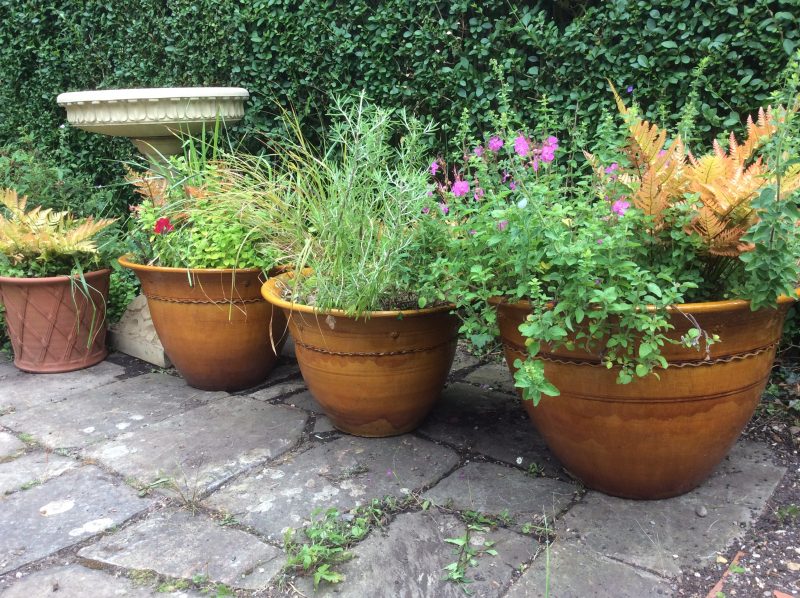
[
  {"x": 788, "y": 513},
  {"x": 466, "y": 552},
  {"x": 535, "y": 470},
  {"x": 30, "y": 484}
]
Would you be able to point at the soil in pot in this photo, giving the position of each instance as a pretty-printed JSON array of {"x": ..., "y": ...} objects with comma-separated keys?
[
  {"x": 375, "y": 376},
  {"x": 54, "y": 324},
  {"x": 656, "y": 437}
]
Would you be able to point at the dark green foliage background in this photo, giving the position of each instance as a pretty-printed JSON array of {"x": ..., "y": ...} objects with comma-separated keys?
[{"x": 432, "y": 57}]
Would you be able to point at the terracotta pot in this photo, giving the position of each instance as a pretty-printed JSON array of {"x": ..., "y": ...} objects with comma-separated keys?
[
  {"x": 655, "y": 437},
  {"x": 374, "y": 376},
  {"x": 53, "y": 325},
  {"x": 216, "y": 330}
]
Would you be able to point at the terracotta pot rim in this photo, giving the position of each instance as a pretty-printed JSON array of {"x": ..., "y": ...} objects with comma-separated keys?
[
  {"x": 269, "y": 293},
  {"x": 692, "y": 308},
  {"x": 24, "y": 280},
  {"x": 125, "y": 262}
]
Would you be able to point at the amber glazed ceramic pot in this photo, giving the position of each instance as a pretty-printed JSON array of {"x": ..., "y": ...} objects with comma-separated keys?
[
  {"x": 54, "y": 324},
  {"x": 214, "y": 324},
  {"x": 375, "y": 376},
  {"x": 655, "y": 437}
]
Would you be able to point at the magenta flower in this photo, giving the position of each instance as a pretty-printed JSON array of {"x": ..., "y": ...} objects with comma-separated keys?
[
  {"x": 478, "y": 195},
  {"x": 425, "y": 210},
  {"x": 535, "y": 164},
  {"x": 548, "y": 153},
  {"x": 522, "y": 146},
  {"x": 444, "y": 208},
  {"x": 472, "y": 232},
  {"x": 599, "y": 241},
  {"x": 163, "y": 226},
  {"x": 460, "y": 188},
  {"x": 512, "y": 185},
  {"x": 612, "y": 168},
  {"x": 502, "y": 225},
  {"x": 620, "y": 206},
  {"x": 478, "y": 151},
  {"x": 434, "y": 167},
  {"x": 495, "y": 143},
  {"x": 552, "y": 141}
]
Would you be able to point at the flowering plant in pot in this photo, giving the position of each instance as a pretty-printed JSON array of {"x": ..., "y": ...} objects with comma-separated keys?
[
  {"x": 53, "y": 286},
  {"x": 201, "y": 281},
  {"x": 373, "y": 343},
  {"x": 651, "y": 300}
]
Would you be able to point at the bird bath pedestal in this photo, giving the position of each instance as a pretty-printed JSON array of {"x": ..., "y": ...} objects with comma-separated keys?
[{"x": 153, "y": 119}]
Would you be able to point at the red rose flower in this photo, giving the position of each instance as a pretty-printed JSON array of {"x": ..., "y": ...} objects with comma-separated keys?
[{"x": 163, "y": 225}]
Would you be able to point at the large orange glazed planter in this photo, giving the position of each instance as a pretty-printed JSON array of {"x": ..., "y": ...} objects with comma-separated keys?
[
  {"x": 373, "y": 376},
  {"x": 214, "y": 324},
  {"x": 54, "y": 324},
  {"x": 655, "y": 437}
]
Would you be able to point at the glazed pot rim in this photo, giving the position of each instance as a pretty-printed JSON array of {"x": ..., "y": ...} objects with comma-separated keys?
[
  {"x": 269, "y": 293},
  {"x": 51, "y": 279},
  {"x": 125, "y": 262},
  {"x": 691, "y": 308}
]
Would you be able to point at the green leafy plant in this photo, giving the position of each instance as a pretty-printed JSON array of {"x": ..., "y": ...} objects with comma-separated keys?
[
  {"x": 467, "y": 553},
  {"x": 602, "y": 257},
  {"x": 41, "y": 242},
  {"x": 352, "y": 213},
  {"x": 190, "y": 216}
]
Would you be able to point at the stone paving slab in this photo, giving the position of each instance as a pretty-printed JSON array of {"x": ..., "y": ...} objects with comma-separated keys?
[
  {"x": 86, "y": 418},
  {"x": 462, "y": 361},
  {"x": 205, "y": 446},
  {"x": 177, "y": 544},
  {"x": 494, "y": 489},
  {"x": 490, "y": 423},
  {"x": 573, "y": 571},
  {"x": 493, "y": 376},
  {"x": 32, "y": 469},
  {"x": 10, "y": 445},
  {"x": 409, "y": 560},
  {"x": 26, "y": 390},
  {"x": 62, "y": 512},
  {"x": 277, "y": 390},
  {"x": 74, "y": 581},
  {"x": 306, "y": 401},
  {"x": 666, "y": 536},
  {"x": 344, "y": 473}
]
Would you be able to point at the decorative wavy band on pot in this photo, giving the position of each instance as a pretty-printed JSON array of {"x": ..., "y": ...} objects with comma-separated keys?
[
  {"x": 658, "y": 436},
  {"x": 376, "y": 375}
]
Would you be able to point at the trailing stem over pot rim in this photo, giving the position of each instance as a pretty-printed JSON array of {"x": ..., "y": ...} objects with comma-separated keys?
[{"x": 602, "y": 256}]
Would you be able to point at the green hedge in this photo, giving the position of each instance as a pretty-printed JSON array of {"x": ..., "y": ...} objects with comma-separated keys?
[{"x": 432, "y": 57}]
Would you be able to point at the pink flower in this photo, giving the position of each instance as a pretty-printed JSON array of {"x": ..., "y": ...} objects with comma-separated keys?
[
  {"x": 472, "y": 232},
  {"x": 495, "y": 143},
  {"x": 548, "y": 153},
  {"x": 478, "y": 151},
  {"x": 444, "y": 208},
  {"x": 425, "y": 210},
  {"x": 460, "y": 187},
  {"x": 522, "y": 146},
  {"x": 535, "y": 165},
  {"x": 599, "y": 241},
  {"x": 611, "y": 169},
  {"x": 620, "y": 206},
  {"x": 552, "y": 141},
  {"x": 512, "y": 185},
  {"x": 478, "y": 195},
  {"x": 502, "y": 225},
  {"x": 163, "y": 226},
  {"x": 434, "y": 167}
]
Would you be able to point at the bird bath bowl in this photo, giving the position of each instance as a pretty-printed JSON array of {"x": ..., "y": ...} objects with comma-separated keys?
[{"x": 154, "y": 118}]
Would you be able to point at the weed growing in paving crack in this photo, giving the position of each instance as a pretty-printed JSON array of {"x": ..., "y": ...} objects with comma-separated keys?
[
  {"x": 325, "y": 541},
  {"x": 468, "y": 551},
  {"x": 788, "y": 513}
]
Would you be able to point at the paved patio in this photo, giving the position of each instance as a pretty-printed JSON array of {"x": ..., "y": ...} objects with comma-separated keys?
[{"x": 122, "y": 480}]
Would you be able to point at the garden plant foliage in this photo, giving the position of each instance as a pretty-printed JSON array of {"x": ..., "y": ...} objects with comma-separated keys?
[{"x": 430, "y": 57}]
